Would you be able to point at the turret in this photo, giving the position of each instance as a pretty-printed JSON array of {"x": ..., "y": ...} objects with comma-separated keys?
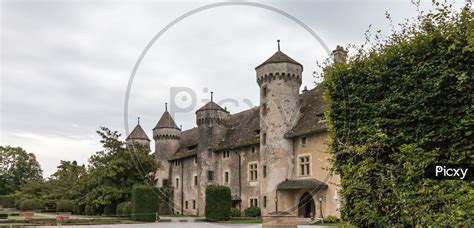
[
  {"x": 138, "y": 136},
  {"x": 166, "y": 135},
  {"x": 279, "y": 79}
]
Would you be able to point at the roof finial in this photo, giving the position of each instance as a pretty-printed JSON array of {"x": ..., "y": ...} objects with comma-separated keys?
[
  {"x": 212, "y": 95},
  {"x": 138, "y": 118},
  {"x": 166, "y": 106},
  {"x": 278, "y": 41}
]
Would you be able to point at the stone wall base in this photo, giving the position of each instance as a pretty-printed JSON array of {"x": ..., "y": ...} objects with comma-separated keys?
[{"x": 279, "y": 221}]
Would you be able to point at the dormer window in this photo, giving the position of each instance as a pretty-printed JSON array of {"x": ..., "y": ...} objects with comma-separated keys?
[{"x": 226, "y": 154}]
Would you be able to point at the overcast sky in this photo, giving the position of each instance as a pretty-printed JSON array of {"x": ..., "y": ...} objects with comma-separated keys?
[{"x": 65, "y": 65}]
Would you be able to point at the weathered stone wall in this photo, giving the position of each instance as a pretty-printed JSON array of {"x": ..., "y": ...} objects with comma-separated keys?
[
  {"x": 185, "y": 190},
  {"x": 166, "y": 143}
]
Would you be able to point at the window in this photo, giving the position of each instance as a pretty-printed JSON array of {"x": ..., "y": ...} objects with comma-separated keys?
[
  {"x": 264, "y": 139},
  {"x": 253, "y": 171},
  {"x": 264, "y": 91},
  {"x": 177, "y": 182},
  {"x": 194, "y": 204},
  {"x": 210, "y": 175},
  {"x": 304, "y": 140},
  {"x": 264, "y": 201},
  {"x": 253, "y": 150},
  {"x": 226, "y": 154},
  {"x": 192, "y": 147},
  {"x": 304, "y": 166},
  {"x": 253, "y": 202},
  {"x": 264, "y": 109},
  {"x": 209, "y": 153},
  {"x": 165, "y": 182},
  {"x": 226, "y": 177},
  {"x": 177, "y": 163},
  {"x": 195, "y": 160},
  {"x": 186, "y": 204},
  {"x": 264, "y": 171},
  {"x": 195, "y": 180}
]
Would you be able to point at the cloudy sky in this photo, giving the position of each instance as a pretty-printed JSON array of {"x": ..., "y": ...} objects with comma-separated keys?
[{"x": 65, "y": 65}]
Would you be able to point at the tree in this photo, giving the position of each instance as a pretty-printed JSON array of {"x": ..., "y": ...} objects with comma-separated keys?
[
  {"x": 16, "y": 168},
  {"x": 113, "y": 171},
  {"x": 395, "y": 109}
]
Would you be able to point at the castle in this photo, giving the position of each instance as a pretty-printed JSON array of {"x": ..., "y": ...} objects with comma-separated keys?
[{"x": 273, "y": 156}]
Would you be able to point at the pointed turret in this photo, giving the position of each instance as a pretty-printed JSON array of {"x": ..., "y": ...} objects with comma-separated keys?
[
  {"x": 211, "y": 113},
  {"x": 138, "y": 136}
]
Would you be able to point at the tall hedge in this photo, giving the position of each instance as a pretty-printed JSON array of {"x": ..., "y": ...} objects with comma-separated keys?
[
  {"x": 218, "y": 203},
  {"x": 145, "y": 203},
  {"x": 7, "y": 201},
  {"x": 397, "y": 108},
  {"x": 65, "y": 206}
]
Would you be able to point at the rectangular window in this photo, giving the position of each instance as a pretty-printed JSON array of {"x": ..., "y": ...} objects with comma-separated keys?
[
  {"x": 264, "y": 91},
  {"x": 253, "y": 171},
  {"x": 264, "y": 138},
  {"x": 186, "y": 204},
  {"x": 195, "y": 180},
  {"x": 195, "y": 160},
  {"x": 226, "y": 177},
  {"x": 210, "y": 175},
  {"x": 304, "y": 140},
  {"x": 305, "y": 166},
  {"x": 177, "y": 182},
  {"x": 253, "y": 202},
  {"x": 177, "y": 163},
  {"x": 253, "y": 150},
  {"x": 264, "y": 171},
  {"x": 226, "y": 154},
  {"x": 194, "y": 204},
  {"x": 265, "y": 201},
  {"x": 264, "y": 109}
]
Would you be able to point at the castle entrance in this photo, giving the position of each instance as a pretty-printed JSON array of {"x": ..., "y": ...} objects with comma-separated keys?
[{"x": 306, "y": 207}]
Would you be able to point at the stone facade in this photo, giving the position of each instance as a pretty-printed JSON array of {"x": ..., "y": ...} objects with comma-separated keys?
[{"x": 273, "y": 156}]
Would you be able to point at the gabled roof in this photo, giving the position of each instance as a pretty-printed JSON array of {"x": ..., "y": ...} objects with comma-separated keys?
[
  {"x": 166, "y": 121},
  {"x": 279, "y": 57},
  {"x": 138, "y": 133},
  {"x": 242, "y": 129},
  {"x": 189, "y": 139},
  {"x": 211, "y": 105}
]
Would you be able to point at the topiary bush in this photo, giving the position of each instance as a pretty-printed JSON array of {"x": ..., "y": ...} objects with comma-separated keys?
[
  {"x": 29, "y": 205},
  {"x": 7, "y": 201},
  {"x": 110, "y": 209},
  {"x": 234, "y": 212},
  {"x": 252, "y": 212},
  {"x": 145, "y": 203},
  {"x": 127, "y": 210},
  {"x": 218, "y": 203},
  {"x": 396, "y": 109},
  {"x": 65, "y": 206}
]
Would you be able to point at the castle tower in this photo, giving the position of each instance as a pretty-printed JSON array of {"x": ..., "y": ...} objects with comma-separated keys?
[
  {"x": 210, "y": 120},
  {"x": 279, "y": 79},
  {"x": 166, "y": 135},
  {"x": 138, "y": 136}
]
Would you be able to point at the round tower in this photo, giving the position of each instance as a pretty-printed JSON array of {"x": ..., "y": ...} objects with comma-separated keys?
[
  {"x": 279, "y": 79},
  {"x": 138, "y": 136},
  {"x": 166, "y": 135}
]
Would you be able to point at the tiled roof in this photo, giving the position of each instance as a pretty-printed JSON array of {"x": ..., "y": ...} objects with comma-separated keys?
[
  {"x": 189, "y": 138},
  {"x": 301, "y": 184},
  {"x": 166, "y": 121},
  {"x": 211, "y": 105},
  {"x": 279, "y": 57},
  {"x": 242, "y": 129},
  {"x": 138, "y": 133}
]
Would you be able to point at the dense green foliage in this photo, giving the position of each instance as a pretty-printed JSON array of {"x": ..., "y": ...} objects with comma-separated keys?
[
  {"x": 234, "y": 212},
  {"x": 29, "y": 205},
  {"x": 330, "y": 219},
  {"x": 7, "y": 201},
  {"x": 252, "y": 212},
  {"x": 145, "y": 203},
  {"x": 120, "y": 207},
  {"x": 89, "y": 210},
  {"x": 127, "y": 210},
  {"x": 110, "y": 209},
  {"x": 218, "y": 203},
  {"x": 17, "y": 167},
  {"x": 398, "y": 107},
  {"x": 65, "y": 206}
]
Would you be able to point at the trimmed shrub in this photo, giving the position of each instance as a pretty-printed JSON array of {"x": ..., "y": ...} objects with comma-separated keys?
[
  {"x": 234, "y": 212},
  {"x": 127, "y": 210},
  {"x": 89, "y": 210},
  {"x": 218, "y": 203},
  {"x": 110, "y": 209},
  {"x": 145, "y": 203},
  {"x": 330, "y": 219},
  {"x": 79, "y": 209},
  {"x": 120, "y": 208},
  {"x": 252, "y": 212},
  {"x": 18, "y": 203},
  {"x": 7, "y": 201},
  {"x": 65, "y": 206},
  {"x": 28, "y": 205}
]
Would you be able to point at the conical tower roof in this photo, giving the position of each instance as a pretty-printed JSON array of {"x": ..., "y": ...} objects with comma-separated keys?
[
  {"x": 279, "y": 57},
  {"x": 166, "y": 121},
  {"x": 138, "y": 133},
  {"x": 211, "y": 105}
]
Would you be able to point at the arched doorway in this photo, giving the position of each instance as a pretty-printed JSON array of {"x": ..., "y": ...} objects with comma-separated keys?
[{"x": 306, "y": 206}]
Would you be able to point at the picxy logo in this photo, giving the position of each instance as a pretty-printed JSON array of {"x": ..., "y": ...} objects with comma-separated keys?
[{"x": 443, "y": 171}]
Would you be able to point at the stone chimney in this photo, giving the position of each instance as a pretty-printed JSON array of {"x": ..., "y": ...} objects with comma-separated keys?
[{"x": 339, "y": 55}]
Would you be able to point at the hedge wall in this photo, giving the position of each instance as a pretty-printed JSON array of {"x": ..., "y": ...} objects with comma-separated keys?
[
  {"x": 397, "y": 108},
  {"x": 145, "y": 203},
  {"x": 65, "y": 206},
  {"x": 218, "y": 203},
  {"x": 7, "y": 201}
]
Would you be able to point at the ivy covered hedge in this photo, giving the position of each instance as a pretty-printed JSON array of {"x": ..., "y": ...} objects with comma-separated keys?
[
  {"x": 398, "y": 107},
  {"x": 218, "y": 203},
  {"x": 145, "y": 203}
]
